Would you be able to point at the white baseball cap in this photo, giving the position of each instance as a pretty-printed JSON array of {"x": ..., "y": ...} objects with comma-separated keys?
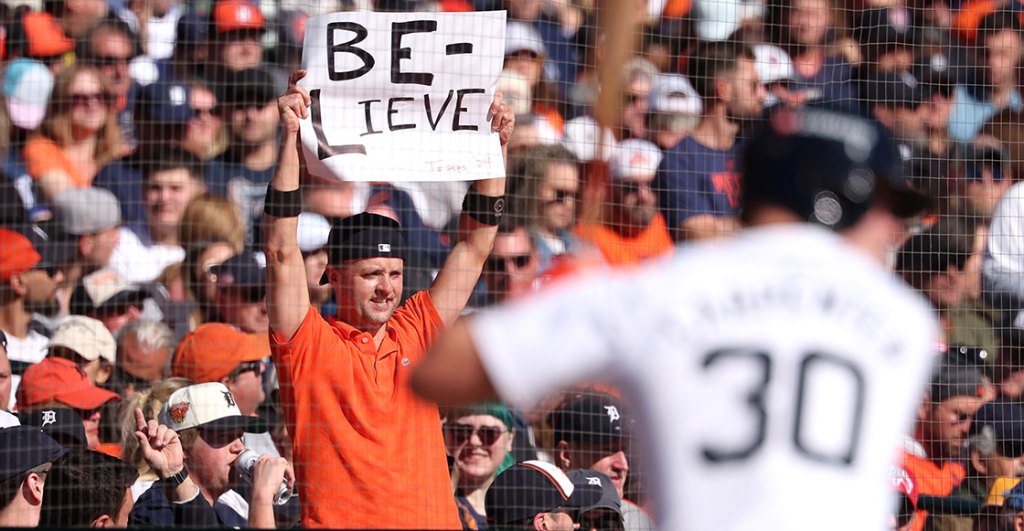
[
  {"x": 772, "y": 64},
  {"x": 581, "y": 137},
  {"x": 635, "y": 158},
  {"x": 520, "y": 36},
  {"x": 674, "y": 94},
  {"x": 207, "y": 405},
  {"x": 87, "y": 337},
  {"x": 313, "y": 232}
]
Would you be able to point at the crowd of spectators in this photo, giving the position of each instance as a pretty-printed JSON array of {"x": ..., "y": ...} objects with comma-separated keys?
[{"x": 137, "y": 142}]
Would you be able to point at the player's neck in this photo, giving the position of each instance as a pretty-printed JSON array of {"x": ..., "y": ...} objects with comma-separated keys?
[{"x": 716, "y": 131}]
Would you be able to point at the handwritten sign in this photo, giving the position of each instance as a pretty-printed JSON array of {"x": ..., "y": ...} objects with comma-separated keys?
[{"x": 402, "y": 96}]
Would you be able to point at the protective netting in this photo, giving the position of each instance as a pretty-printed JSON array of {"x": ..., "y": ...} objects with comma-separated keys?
[{"x": 195, "y": 356}]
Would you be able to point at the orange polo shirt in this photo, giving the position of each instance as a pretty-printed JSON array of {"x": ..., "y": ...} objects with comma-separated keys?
[
  {"x": 652, "y": 241},
  {"x": 368, "y": 452}
]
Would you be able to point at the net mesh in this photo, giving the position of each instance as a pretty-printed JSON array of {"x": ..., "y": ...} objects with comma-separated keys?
[{"x": 138, "y": 139}]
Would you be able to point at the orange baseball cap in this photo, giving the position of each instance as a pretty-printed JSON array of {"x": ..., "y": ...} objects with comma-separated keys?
[
  {"x": 45, "y": 37},
  {"x": 213, "y": 350},
  {"x": 237, "y": 15},
  {"x": 17, "y": 254},
  {"x": 61, "y": 380}
]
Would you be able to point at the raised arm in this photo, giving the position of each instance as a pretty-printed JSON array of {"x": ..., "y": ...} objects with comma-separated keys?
[
  {"x": 461, "y": 271},
  {"x": 287, "y": 295}
]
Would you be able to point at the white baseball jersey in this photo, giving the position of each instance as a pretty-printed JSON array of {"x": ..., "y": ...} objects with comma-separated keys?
[{"x": 776, "y": 373}]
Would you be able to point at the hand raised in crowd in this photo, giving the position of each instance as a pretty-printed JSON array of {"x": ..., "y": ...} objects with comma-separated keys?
[
  {"x": 267, "y": 475},
  {"x": 294, "y": 103},
  {"x": 161, "y": 446},
  {"x": 503, "y": 120}
]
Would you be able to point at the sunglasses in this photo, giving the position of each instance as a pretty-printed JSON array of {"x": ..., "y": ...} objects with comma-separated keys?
[
  {"x": 562, "y": 196},
  {"x": 101, "y": 60},
  {"x": 219, "y": 439},
  {"x": 976, "y": 172},
  {"x": 462, "y": 433},
  {"x": 499, "y": 264},
  {"x": 246, "y": 366},
  {"x": 90, "y": 100},
  {"x": 86, "y": 413},
  {"x": 211, "y": 112},
  {"x": 3, "y": 340},
  {"x": 631, "y": 187},
  {"x": 49, "y": 269}
]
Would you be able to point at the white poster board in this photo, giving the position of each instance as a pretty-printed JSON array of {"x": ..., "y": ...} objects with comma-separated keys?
[{"x": 402, "y": 96}]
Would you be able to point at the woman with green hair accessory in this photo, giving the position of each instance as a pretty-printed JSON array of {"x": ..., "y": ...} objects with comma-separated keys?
[{"x": 479, "y": 439}]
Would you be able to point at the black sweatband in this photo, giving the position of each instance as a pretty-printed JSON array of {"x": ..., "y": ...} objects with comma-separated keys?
[
  {"x": 484, "y": 209},
  {"x": 282, "y": 204}
]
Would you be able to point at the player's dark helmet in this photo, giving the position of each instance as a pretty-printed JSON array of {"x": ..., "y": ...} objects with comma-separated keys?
[{"x": 828, "y": 167}]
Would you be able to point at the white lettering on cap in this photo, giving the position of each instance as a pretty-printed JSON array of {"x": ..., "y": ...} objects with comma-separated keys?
[
  {"x": 384, "y": 247},
  {"x": 594, "y": 481}
]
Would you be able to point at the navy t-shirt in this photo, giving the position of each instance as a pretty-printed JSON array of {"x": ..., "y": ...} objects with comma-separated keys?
[
  {"x": 694, "y": 179},
  {"x": 123, "y": 177},
  {"x": 832, "y": 87},
  {"x": 245, "y": 187}
]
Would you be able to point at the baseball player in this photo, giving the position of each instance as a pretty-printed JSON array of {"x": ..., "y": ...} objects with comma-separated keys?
[{"x": 780, "y": 367}]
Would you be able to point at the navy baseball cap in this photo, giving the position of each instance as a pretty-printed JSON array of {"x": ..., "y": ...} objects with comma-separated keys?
[
  {"x": 63, "y": 424},
  {"x": 895, "y": 90},
  {"x": 23, "y": 448},
  {"x": 164, "y": 102},
  {"x": 593, "y": 418},
  {"x": 364, "y": 235},
  {"x": 533, "y": 487},
  {"x": 192, "y": 29},
  {"x": 246, "y": 271},
  {"x": 1003, "y": 421}
]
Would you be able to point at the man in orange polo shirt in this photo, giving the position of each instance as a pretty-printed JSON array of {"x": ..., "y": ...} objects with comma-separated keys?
[
  {"x": 632, "y": 230},
  {"x": 368, "y": 452}
]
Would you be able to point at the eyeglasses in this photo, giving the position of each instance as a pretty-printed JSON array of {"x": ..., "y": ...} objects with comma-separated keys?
[
  {"x": 3, "y": 340},
  {"x": 462, "y": 433},
  {"x": 246, "y": 366},
  {"x": 499, "y": 264},
  {"x": 90, "y": 100},
  {"x": 562, "y": 196}
]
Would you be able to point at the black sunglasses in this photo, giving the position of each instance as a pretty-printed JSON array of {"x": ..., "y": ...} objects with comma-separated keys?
[
  {"x": 3, "y": 340},
  {"x": 632, "y": 187},
  {"x": 462, "y": 433},
  {"x": 218, "y": 438},
  {"x": 106, "y": 60},
  {"x": 49, "y": 269},
  {"x": 562, "y": 196},
  {"x": 499, "y": 264},
  {"x": 246, "y": 366}
]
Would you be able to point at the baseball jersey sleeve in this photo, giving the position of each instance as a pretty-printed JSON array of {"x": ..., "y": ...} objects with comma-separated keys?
[{"x": 542, "y": 343}]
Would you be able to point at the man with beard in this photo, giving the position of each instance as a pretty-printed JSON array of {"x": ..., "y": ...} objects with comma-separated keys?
[
  {"x": 632, "y": 229},
  {"x": 27, "y": 285},
  {"x": 697, "y": 182}
]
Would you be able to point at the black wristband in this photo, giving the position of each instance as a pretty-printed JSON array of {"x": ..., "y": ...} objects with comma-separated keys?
[
  {"x": 177, "y": 479},
  {"x": 282, "y": 204},
  {"x": 484, "y": 209}
]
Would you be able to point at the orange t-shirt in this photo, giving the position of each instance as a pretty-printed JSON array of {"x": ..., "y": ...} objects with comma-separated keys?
[
  {"x": 368, "y": 452},
  {"x": 653, "y": 241},
  {"x": 932, "y": 480},
  {"x": 43, "y": 155}
]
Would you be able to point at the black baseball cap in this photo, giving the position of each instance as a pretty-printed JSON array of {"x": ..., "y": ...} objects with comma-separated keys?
[
  {"x": 254, "y": 86},
  {"x": 1004, "y": 422},
  {"x": 895, "y": 90},
  {"x": 533, "y": 487},
  {"x": 609, "y": 496},
  {"x": 364, "y": 235},
  {"x": 245, "y": 271},
  {"x": 63, "y": 424},
  {"x": 23, "y": 448},
  {"x": 593, "y": 418}
]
